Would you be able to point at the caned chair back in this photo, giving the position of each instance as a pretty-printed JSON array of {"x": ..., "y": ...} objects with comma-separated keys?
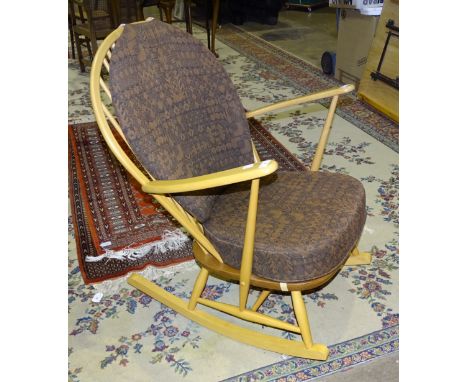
[{"x": 99, "y": 14}]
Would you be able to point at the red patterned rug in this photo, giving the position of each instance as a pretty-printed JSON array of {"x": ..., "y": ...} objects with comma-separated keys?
[{"x": 118, "y": 228}]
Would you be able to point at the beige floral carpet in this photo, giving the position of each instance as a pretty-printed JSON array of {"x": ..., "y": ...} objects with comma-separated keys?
[{"x": 124, "y": 335}]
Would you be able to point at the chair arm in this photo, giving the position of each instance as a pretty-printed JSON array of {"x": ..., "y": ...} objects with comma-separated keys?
[
  {"x": 221, "y": 178},
  {"x": 303, "y": 99}
]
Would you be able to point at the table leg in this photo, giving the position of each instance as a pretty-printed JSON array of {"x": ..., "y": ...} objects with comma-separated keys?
[
  {"x": 214, "y": 25},
  {"x": 188, "y": 15},
  {"x": 208, "y": 17},
  {"x": 114, "y": 8}
]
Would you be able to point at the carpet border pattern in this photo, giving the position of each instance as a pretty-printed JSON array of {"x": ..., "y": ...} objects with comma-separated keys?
[{"x": 342, "y": 356}]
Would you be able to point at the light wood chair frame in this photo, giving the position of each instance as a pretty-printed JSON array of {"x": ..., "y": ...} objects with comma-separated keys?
[{"x": 207, "y": 256}]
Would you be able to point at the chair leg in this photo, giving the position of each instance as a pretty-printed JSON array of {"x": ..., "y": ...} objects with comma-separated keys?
[
  {"x": 168, "y": 12},
  {"x": 88, "y": 47},
  {"x": 301, "y": 317},
  {"x": 260, "y": 300},
  {"x": 80, "y": 53},
  {"x": 94, "y": 45},
  {"x": 207, "y": 26},
  {"x": 198, "y": 288},
  {"x": 214, "y": 26},
  {"x": 358, "y": 258},
  {"x": 139, "y": 13},
  {"x": 188, "y": 16},
  {"x": 72, "y": 37},
  {"x": 160, "y": 13}
]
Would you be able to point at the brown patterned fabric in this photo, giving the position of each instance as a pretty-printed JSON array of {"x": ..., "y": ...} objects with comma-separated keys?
[
  {"x": 178, "y": 108},
  {"x": 307, "y": 223}
]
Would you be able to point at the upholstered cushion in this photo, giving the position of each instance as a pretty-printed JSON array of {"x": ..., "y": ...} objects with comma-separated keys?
[
  {"x": 307, "y": 223},
  {"x": 178, "y": 108}
]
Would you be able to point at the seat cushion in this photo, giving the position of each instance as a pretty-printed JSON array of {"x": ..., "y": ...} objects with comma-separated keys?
[{"x": 307, "y": 223}]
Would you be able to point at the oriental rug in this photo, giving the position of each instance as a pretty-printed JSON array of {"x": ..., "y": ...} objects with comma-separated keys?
[
  {"x": 120, "y": 228},
  {"x": 125, "y": 335}
]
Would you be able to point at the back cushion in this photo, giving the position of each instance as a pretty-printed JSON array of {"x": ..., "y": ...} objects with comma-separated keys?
[{"x": 178, "y": 108}]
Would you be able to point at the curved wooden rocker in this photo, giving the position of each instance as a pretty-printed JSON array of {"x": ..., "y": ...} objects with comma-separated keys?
[{"x": 182, "y": 118}]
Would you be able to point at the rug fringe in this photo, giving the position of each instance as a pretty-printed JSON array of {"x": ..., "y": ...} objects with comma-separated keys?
[
  {"x": 151, "y": 272},
  {"x": 170, "y": 241}
]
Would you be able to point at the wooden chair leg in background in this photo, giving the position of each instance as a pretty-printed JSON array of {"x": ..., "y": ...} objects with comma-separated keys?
[
  {"x": 168, "y": 9},
  {"x": 139, "y": 10},
  {"x": 88, "y": 47},
  {"x": 72, "y": 37},
  {"x": 168, "y": 12},
  {"x": 80, "y": 53},
  {"x": 207, "y": 25},
  {"x": 214, "y": 26},
  {"x": 188, "y": 16},
  {"x": 160, "y": 14}
]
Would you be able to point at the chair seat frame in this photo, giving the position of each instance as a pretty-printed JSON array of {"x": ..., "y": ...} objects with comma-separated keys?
[{"x": 207, "y": 256}]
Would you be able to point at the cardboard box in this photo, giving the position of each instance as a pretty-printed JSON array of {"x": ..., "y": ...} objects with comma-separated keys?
[{"x": 355, "y": 35}]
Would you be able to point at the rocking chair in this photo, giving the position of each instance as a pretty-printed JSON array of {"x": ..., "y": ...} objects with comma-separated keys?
[{"x": 272, "y": 230}]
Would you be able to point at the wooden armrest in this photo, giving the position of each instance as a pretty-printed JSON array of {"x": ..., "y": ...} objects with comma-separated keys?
[
  {"x": 303, "y": 99},
  {"x": 221, "y": 178}
]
